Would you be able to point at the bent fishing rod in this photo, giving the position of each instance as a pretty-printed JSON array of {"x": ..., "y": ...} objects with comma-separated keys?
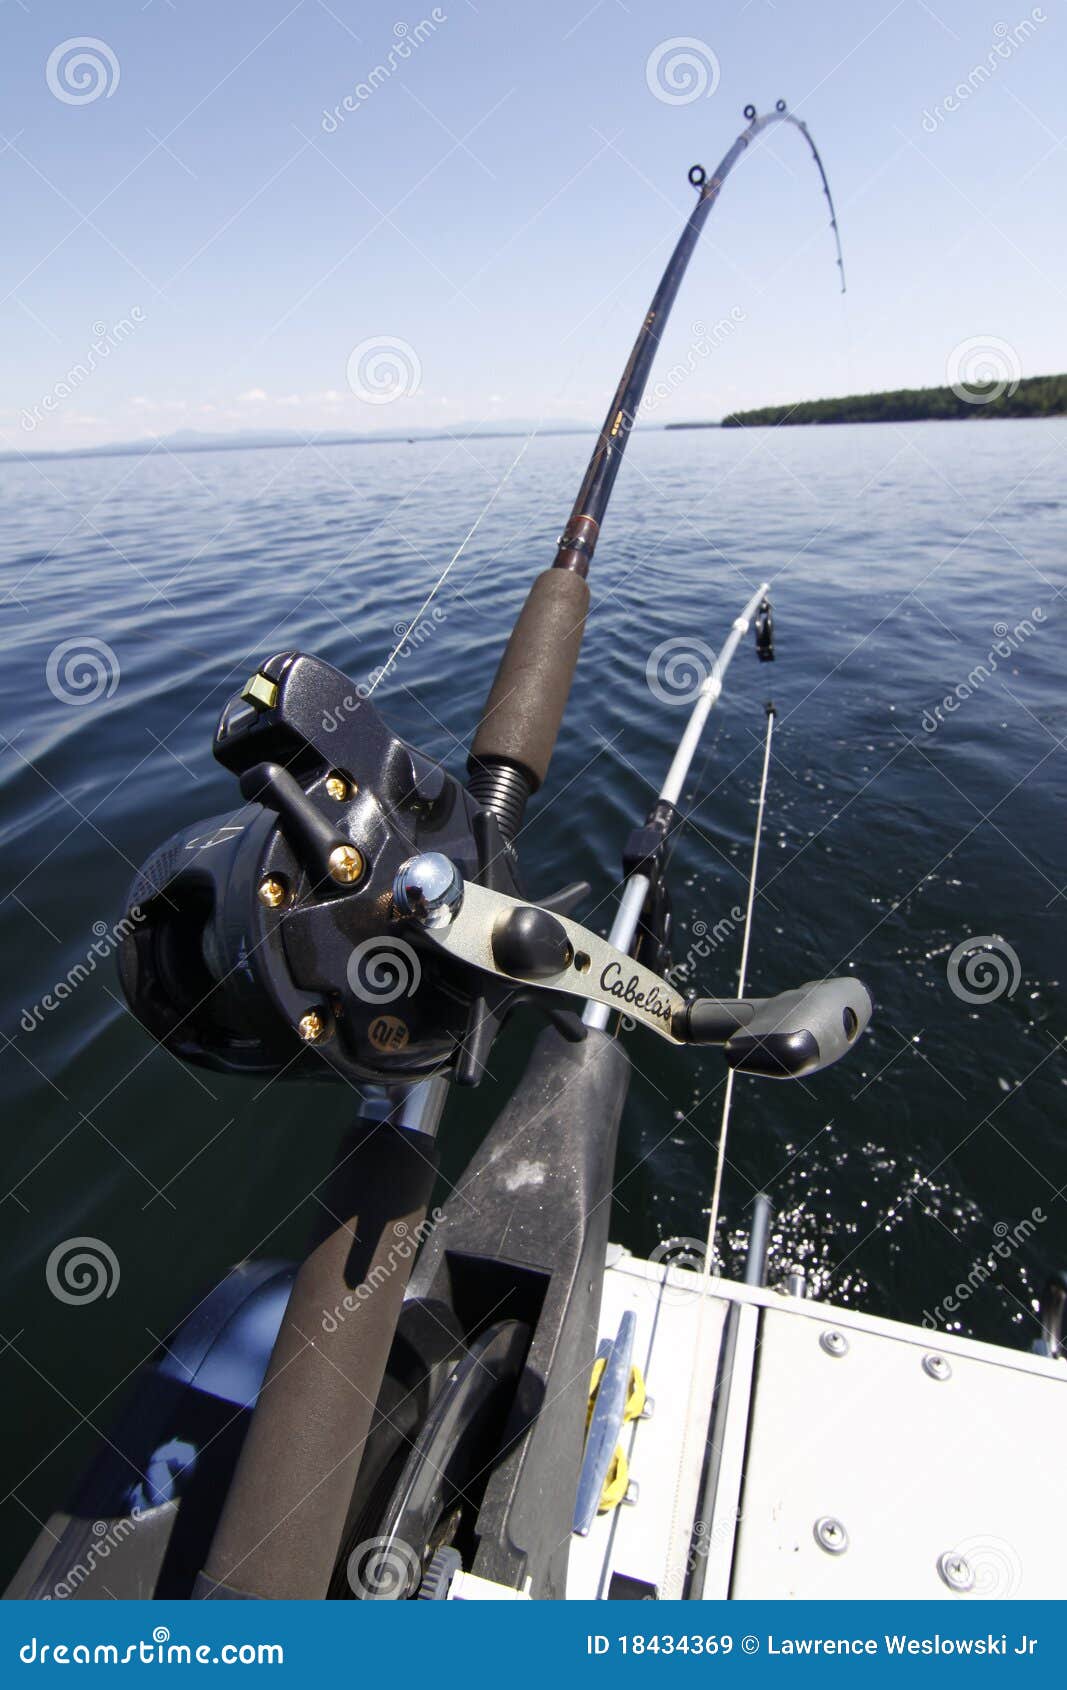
[
  {"x": 362, "y": 917},
  {"x": 513, "y": 745}
]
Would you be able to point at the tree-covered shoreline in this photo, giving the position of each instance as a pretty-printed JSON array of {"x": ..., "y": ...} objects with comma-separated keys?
[{"x": 1037, "y": 396}]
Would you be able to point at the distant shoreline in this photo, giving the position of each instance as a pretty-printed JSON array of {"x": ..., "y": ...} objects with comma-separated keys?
[
  {"x": 1037, "y": 396},
  {"x": 223, "y": 443}
]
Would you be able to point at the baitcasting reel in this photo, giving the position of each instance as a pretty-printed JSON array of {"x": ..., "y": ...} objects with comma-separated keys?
[
  {"x": 360, "y": 916},
  {"x": 268, "y": 938}
]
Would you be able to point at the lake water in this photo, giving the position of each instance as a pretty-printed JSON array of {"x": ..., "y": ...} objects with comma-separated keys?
[{"x": 899, "y": 557}]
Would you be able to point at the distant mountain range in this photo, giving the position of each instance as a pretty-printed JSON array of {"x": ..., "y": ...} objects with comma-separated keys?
[
  {"x": 192, "y": 440},
  {"x": 1036, "y": 396}
]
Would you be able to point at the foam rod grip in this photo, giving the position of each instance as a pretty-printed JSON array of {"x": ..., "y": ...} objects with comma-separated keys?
[
  {"x": 284, "y": 1515},
  {"x": 529, "y": 695}
]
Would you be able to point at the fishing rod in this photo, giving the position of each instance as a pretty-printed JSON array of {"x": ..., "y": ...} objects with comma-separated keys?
[
  {"x": 646, "y": 853},
  {"x": 513, "y": 745},
  {"x": 361, "y": 917}
]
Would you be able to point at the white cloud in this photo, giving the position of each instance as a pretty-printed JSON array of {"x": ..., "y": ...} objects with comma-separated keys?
[{"x": 141, "y": 403}]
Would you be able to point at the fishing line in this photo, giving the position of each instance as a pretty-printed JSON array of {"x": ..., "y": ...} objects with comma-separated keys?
[
  {"x": 713, "y": 1214},
  {"x": 453, "y": 560},
  {"x": 475, "y": 525},
  {"x": 720, "y": 1163}
]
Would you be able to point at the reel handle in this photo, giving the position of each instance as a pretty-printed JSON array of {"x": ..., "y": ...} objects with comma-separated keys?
[{"x": 797, "y": 1032}]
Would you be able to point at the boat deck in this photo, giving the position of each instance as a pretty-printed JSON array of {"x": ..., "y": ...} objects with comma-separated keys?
[{"x": 858, "y": 1457}]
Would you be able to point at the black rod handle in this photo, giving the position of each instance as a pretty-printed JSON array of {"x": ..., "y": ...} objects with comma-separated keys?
[{"x": 284, "y": 1515}]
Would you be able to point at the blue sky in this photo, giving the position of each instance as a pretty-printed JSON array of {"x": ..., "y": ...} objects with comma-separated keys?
[{"x": 210, "y": 236}]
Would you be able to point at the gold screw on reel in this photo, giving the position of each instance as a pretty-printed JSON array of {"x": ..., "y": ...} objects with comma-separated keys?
[
  {"x": 312, "y": 1027},
  {"x": 272, "y": 892},
  {"x": 346, "y": 864}
]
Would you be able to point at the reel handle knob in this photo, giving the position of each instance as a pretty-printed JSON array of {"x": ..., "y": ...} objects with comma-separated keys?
[
  {"x": 429, "y": 889},
  {"x": 780, "y": 1038},
  {"x": 531, "y": 943}
]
